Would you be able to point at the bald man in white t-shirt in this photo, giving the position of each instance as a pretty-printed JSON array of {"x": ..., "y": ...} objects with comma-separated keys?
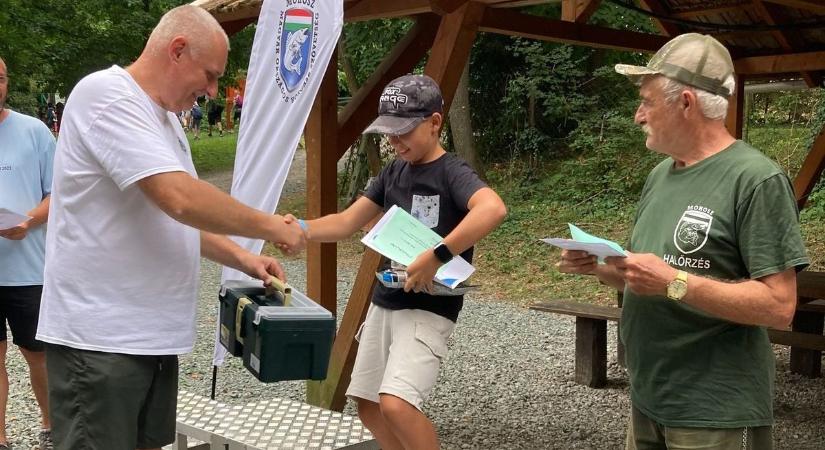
[{"x": 129, "y": 221}]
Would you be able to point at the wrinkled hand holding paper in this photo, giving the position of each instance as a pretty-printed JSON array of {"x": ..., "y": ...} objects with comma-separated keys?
[
  {"x": 11, "y": 219},
  {"x": 583, "y": 241},
  {"x": 401, "y": 238}
]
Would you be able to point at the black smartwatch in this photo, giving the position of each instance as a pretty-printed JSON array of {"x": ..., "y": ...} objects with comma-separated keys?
[{"x": 442, "y": 252}]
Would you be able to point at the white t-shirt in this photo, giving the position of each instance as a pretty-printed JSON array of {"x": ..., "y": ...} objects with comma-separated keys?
[{"x": 121, "y": 276}]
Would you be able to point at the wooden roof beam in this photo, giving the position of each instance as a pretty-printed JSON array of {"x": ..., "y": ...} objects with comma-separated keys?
[
  {"x": 579, "y": 11},
  {"x": 451, "y": 48},
  {"x": 251, "y": 9},
  {"x": 446, "y": 6},
  {"x": 233, "y": 26},
  {"x": 776, "y": 64},
  {"x": 669, "y": 29},
  {"x": 512, "y": 23},
  {"x": 816, "y": 6},
  {"x": 693, "y": 13},
  {"x": 770, "y": 17},
  {"x": 363, "y": 107},
  {"x": 385, "y": 9},
  {"x": 516, "y": 3}
]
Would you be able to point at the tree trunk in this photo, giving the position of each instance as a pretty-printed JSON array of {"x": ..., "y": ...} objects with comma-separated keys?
[
  {"x": 346, "y": 64},
  {"x": 461, "y": 125}
]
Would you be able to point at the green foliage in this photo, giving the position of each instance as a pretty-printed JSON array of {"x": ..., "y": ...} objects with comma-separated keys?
[
  {"x": 367, "y": 43},
  {"x": 533, "y": 101},
  {"x": 49, "y": 45},
  {"x": 783, "y": 108}
]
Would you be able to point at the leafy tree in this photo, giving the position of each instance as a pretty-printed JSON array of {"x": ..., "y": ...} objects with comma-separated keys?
[{"x": 49, "y": 45}]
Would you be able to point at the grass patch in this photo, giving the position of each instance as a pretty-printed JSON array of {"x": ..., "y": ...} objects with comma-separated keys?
[{"x": 213, "y": 154}]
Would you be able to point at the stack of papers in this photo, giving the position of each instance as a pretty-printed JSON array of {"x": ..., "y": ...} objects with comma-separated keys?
[
  {"x": 11, "y": 219},
  {"x": 583, "y": 241},
  {"x": 401, "y": 238}
]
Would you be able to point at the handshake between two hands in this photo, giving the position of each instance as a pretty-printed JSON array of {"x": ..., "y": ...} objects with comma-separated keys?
[{"x": 294, "y": 236}]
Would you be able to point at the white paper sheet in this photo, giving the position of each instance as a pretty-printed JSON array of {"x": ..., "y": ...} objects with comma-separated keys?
[
  {"x": 599, "y": 249},
  {"x": 10, "y": 219},
  {"x": 402, "y": 238}
]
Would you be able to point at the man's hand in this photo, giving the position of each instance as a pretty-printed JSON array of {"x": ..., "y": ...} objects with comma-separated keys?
[
  {"x": 644, "y": 273},
  {"x": 262, "y": 267},
  {"x": 421, "y": 272},
  {"x": 577, "y": 261},
  {"x": 293, "y": 240},
  {"x": 16, "y": 233}
]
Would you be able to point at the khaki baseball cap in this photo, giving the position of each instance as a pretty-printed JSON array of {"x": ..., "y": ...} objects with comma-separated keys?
[{"x": 694, "y": 59}]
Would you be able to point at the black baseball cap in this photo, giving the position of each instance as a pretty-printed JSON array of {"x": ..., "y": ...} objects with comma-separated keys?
[{"x": 406, "y": 102}]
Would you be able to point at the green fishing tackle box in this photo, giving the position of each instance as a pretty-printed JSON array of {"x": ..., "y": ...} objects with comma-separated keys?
[{"x": 282, "y": 335}]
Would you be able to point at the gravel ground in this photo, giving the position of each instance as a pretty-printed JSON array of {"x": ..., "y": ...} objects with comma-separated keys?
[{"x": 507, "y": 382}]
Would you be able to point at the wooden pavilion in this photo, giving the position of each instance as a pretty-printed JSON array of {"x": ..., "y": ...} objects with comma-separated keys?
[{"x": 769, "y": 40}]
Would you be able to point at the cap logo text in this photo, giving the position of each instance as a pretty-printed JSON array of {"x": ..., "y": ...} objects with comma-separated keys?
[{"x": 393, "y": 95}]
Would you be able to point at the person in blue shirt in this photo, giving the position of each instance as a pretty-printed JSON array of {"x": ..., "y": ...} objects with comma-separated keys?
[{"x": 26, "y": 154}]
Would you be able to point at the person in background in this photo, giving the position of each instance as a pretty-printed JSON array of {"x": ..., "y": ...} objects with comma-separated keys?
[
  {"x": 25, "y": 185},
  {"x": 237, "y": 105},
  {"x": 197, "y": 117},
  {"x": 214, "y": 116}
]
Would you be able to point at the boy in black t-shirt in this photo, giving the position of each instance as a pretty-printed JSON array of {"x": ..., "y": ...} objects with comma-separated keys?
[{"x": 404, "y": 337}]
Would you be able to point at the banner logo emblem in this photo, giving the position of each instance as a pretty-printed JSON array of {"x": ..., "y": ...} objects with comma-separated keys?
[{"x": 296, "y": 50}]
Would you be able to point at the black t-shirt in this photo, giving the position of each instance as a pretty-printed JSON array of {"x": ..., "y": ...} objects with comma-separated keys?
[{"x": 436, "y": 193}]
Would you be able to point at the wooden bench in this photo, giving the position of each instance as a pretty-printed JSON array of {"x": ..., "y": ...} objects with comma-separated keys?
[
  {"x": 805, "y": 337},
  {"x": 591, "y": 337}
]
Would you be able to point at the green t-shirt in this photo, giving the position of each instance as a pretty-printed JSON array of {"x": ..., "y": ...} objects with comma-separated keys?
[{"x": 731, "y": 216}]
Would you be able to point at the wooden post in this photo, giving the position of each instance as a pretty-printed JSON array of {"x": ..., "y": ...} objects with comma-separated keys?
[
  {"x": 806, "y": 362},
  {"x": 591, "y": 352},
  {"x": 329, "y": 393},
  {"x": 736, "y": 109},
  {"x": 320, "y": 136},
  {"x": 811, "y": 170}
]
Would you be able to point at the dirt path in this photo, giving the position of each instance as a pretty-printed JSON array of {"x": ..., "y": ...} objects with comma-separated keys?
[{"x": 296, "y": 180}]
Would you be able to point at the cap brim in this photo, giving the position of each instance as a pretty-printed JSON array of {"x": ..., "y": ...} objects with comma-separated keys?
[
  {"x": 634, "y": 71},
  {"x": 393, "y": 126}
]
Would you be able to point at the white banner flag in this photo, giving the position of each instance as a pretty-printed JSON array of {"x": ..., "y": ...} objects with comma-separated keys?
[{"x": 293, "y": 44}]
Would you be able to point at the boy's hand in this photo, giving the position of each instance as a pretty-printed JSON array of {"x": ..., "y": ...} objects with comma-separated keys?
[
  {"x": 289, "y": 219},
  {"x": 293, "y": 240},
  {"x": 421, "y": 272}
]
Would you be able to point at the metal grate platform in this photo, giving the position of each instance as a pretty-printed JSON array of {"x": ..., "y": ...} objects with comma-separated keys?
[{"x": 268, "y": 424}]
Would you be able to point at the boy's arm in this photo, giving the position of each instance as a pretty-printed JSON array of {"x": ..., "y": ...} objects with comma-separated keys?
[
  {"x": 486, "y": 212},
  {"x": 334, "y": 227}
]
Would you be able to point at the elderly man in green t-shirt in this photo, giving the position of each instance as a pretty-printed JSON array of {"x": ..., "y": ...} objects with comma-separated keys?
[{"x": 713, "y": 259}]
